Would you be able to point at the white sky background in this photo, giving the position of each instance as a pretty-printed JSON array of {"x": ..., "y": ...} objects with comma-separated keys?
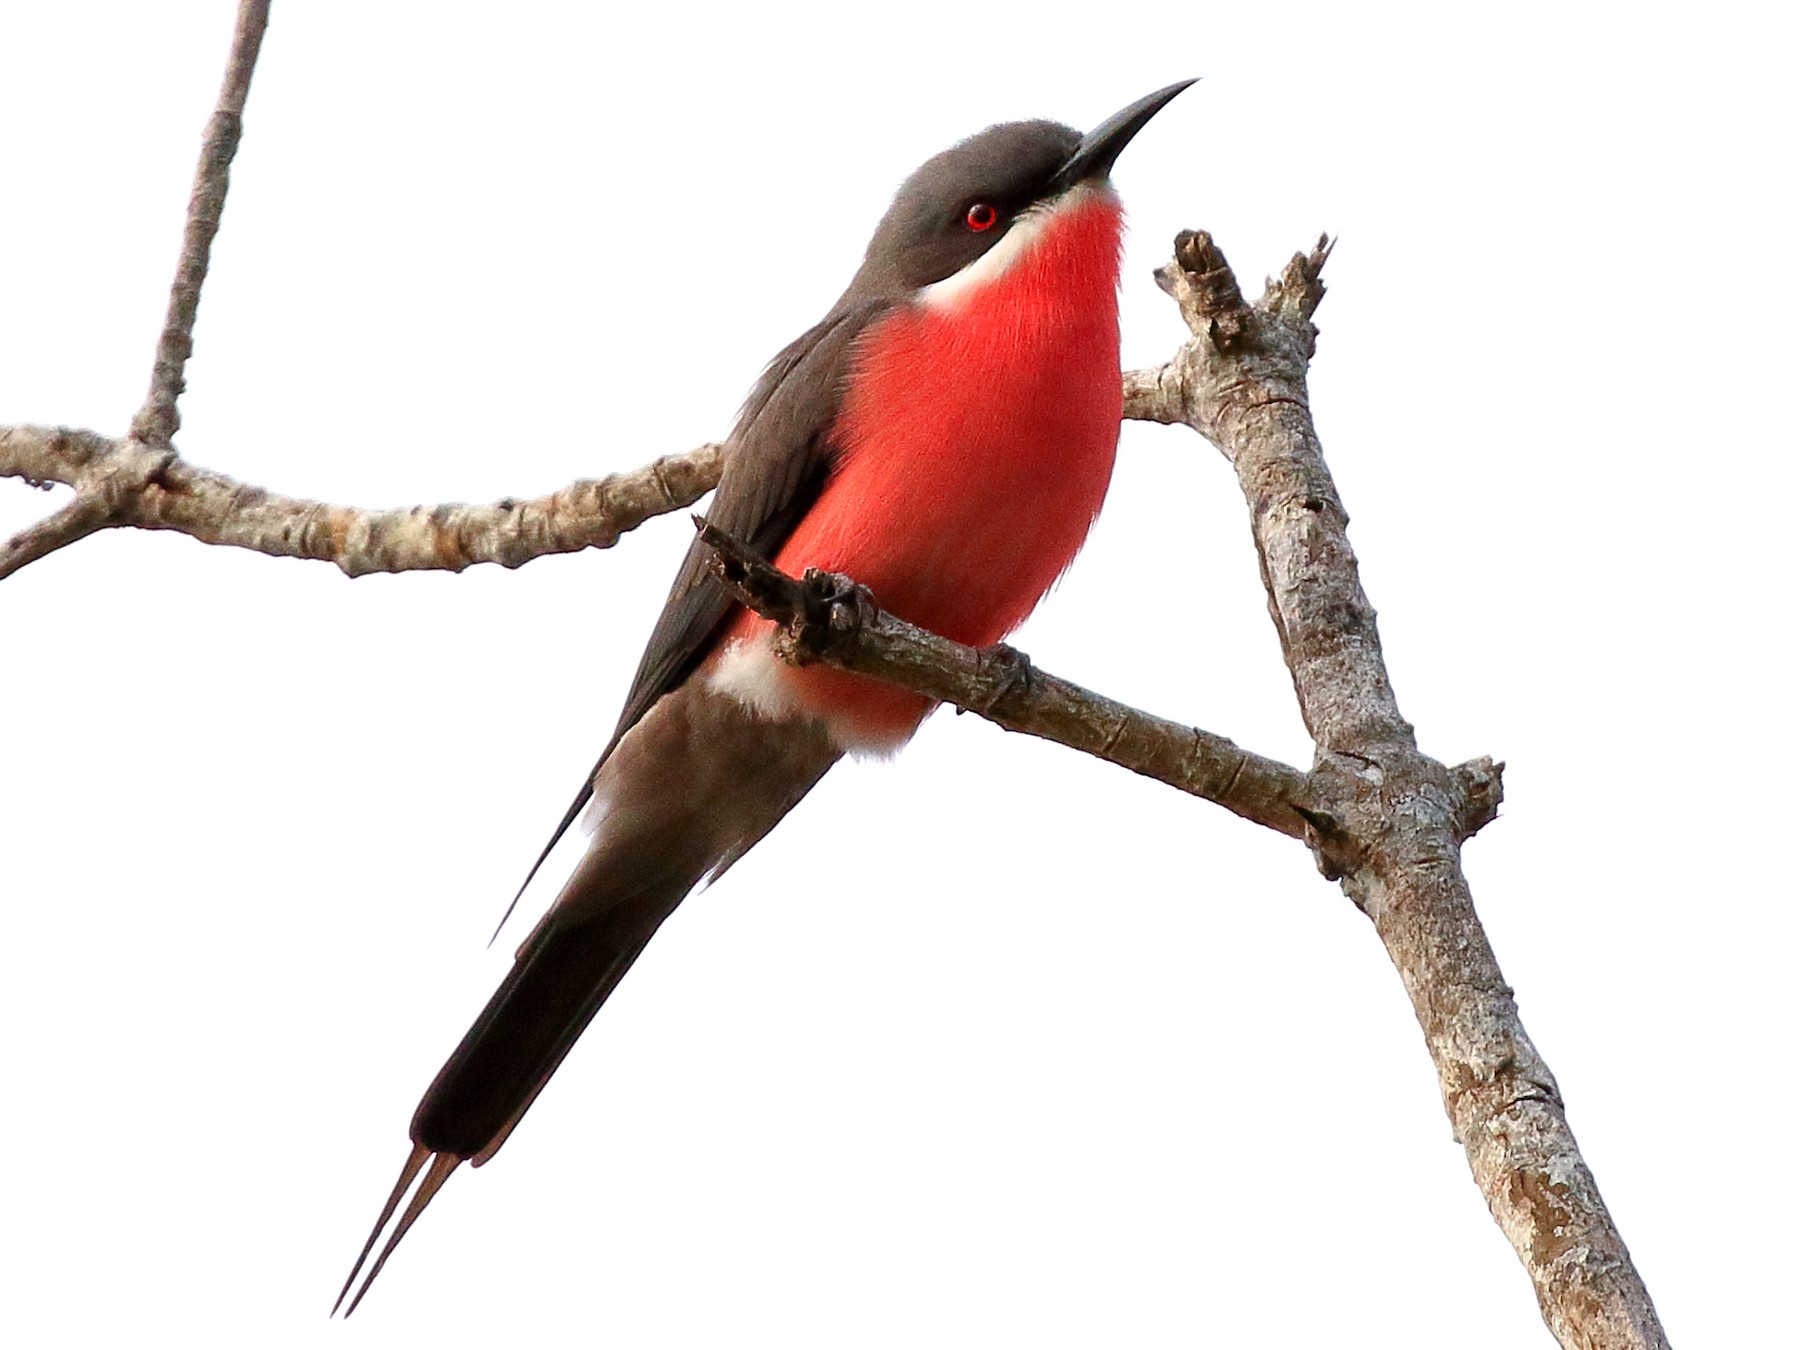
[{"x": 994, "y": 1045}]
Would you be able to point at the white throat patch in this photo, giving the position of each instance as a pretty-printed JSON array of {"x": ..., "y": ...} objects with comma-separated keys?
[{"x": 1010, "y": 247}]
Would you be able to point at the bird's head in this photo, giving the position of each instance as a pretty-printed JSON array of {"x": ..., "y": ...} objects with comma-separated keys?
[{"x": 959, "y": 206}]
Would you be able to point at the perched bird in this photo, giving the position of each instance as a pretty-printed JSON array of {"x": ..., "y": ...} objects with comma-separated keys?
[{"x": 944, "y": 435}]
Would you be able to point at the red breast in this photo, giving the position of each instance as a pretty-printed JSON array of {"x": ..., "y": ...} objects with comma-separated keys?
[{"x": 976, "y": 441}]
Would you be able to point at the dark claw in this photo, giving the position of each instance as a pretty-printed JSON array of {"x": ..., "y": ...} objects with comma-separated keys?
[
  {"x": 1008, "y": 667},
  {"x": 833, "y": 606}
]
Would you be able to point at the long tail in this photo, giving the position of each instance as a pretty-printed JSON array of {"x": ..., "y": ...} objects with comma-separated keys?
[
  {"x": 554, "y": 989},
  {"x": 687, "y": 792}
]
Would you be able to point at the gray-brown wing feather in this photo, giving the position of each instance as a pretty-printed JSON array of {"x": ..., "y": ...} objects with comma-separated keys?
[
  {"x": 775, "y": 463},
  {"x": 776, "y": 460}
]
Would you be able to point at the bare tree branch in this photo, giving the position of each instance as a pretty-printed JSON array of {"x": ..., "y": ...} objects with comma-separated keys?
[
  {"x": 1388, "y": 820},
  {"x": 157, "y": 420},
  {"x": 75, "y": 521},
  {"x": 107, "y": 485},
  {"x": 216, "y": 509},
  {"x": 830, "y": 618},
  {"x": 110, "y": 477}
]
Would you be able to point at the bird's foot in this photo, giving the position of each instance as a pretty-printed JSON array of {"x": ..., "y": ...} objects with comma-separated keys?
[
  {"x": 1007, "y": 671},
  {"x": 835, "y": 609}
]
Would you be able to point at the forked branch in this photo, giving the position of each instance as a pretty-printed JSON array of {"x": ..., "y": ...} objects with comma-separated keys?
[{"x": 109, "y": 483}]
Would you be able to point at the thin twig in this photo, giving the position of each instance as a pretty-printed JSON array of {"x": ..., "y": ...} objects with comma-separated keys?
[
  {"x": 157, "y": 420},
  {"x": 75, "y": 520}
]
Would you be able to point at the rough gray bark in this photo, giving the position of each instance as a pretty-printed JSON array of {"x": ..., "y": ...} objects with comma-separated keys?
[{"x": 1391, "y": 821}]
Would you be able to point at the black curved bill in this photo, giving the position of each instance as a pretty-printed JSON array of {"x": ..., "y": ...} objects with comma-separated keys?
[{"x": 1100, "y": 147}]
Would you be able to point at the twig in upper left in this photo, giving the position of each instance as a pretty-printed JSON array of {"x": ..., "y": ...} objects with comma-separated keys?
[
  {"x": 157, "y": 420},
  {"x": 109, "y": 484}
]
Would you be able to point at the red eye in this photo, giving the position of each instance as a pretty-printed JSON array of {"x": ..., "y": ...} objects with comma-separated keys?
[{"x": 981, "y": 217}]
